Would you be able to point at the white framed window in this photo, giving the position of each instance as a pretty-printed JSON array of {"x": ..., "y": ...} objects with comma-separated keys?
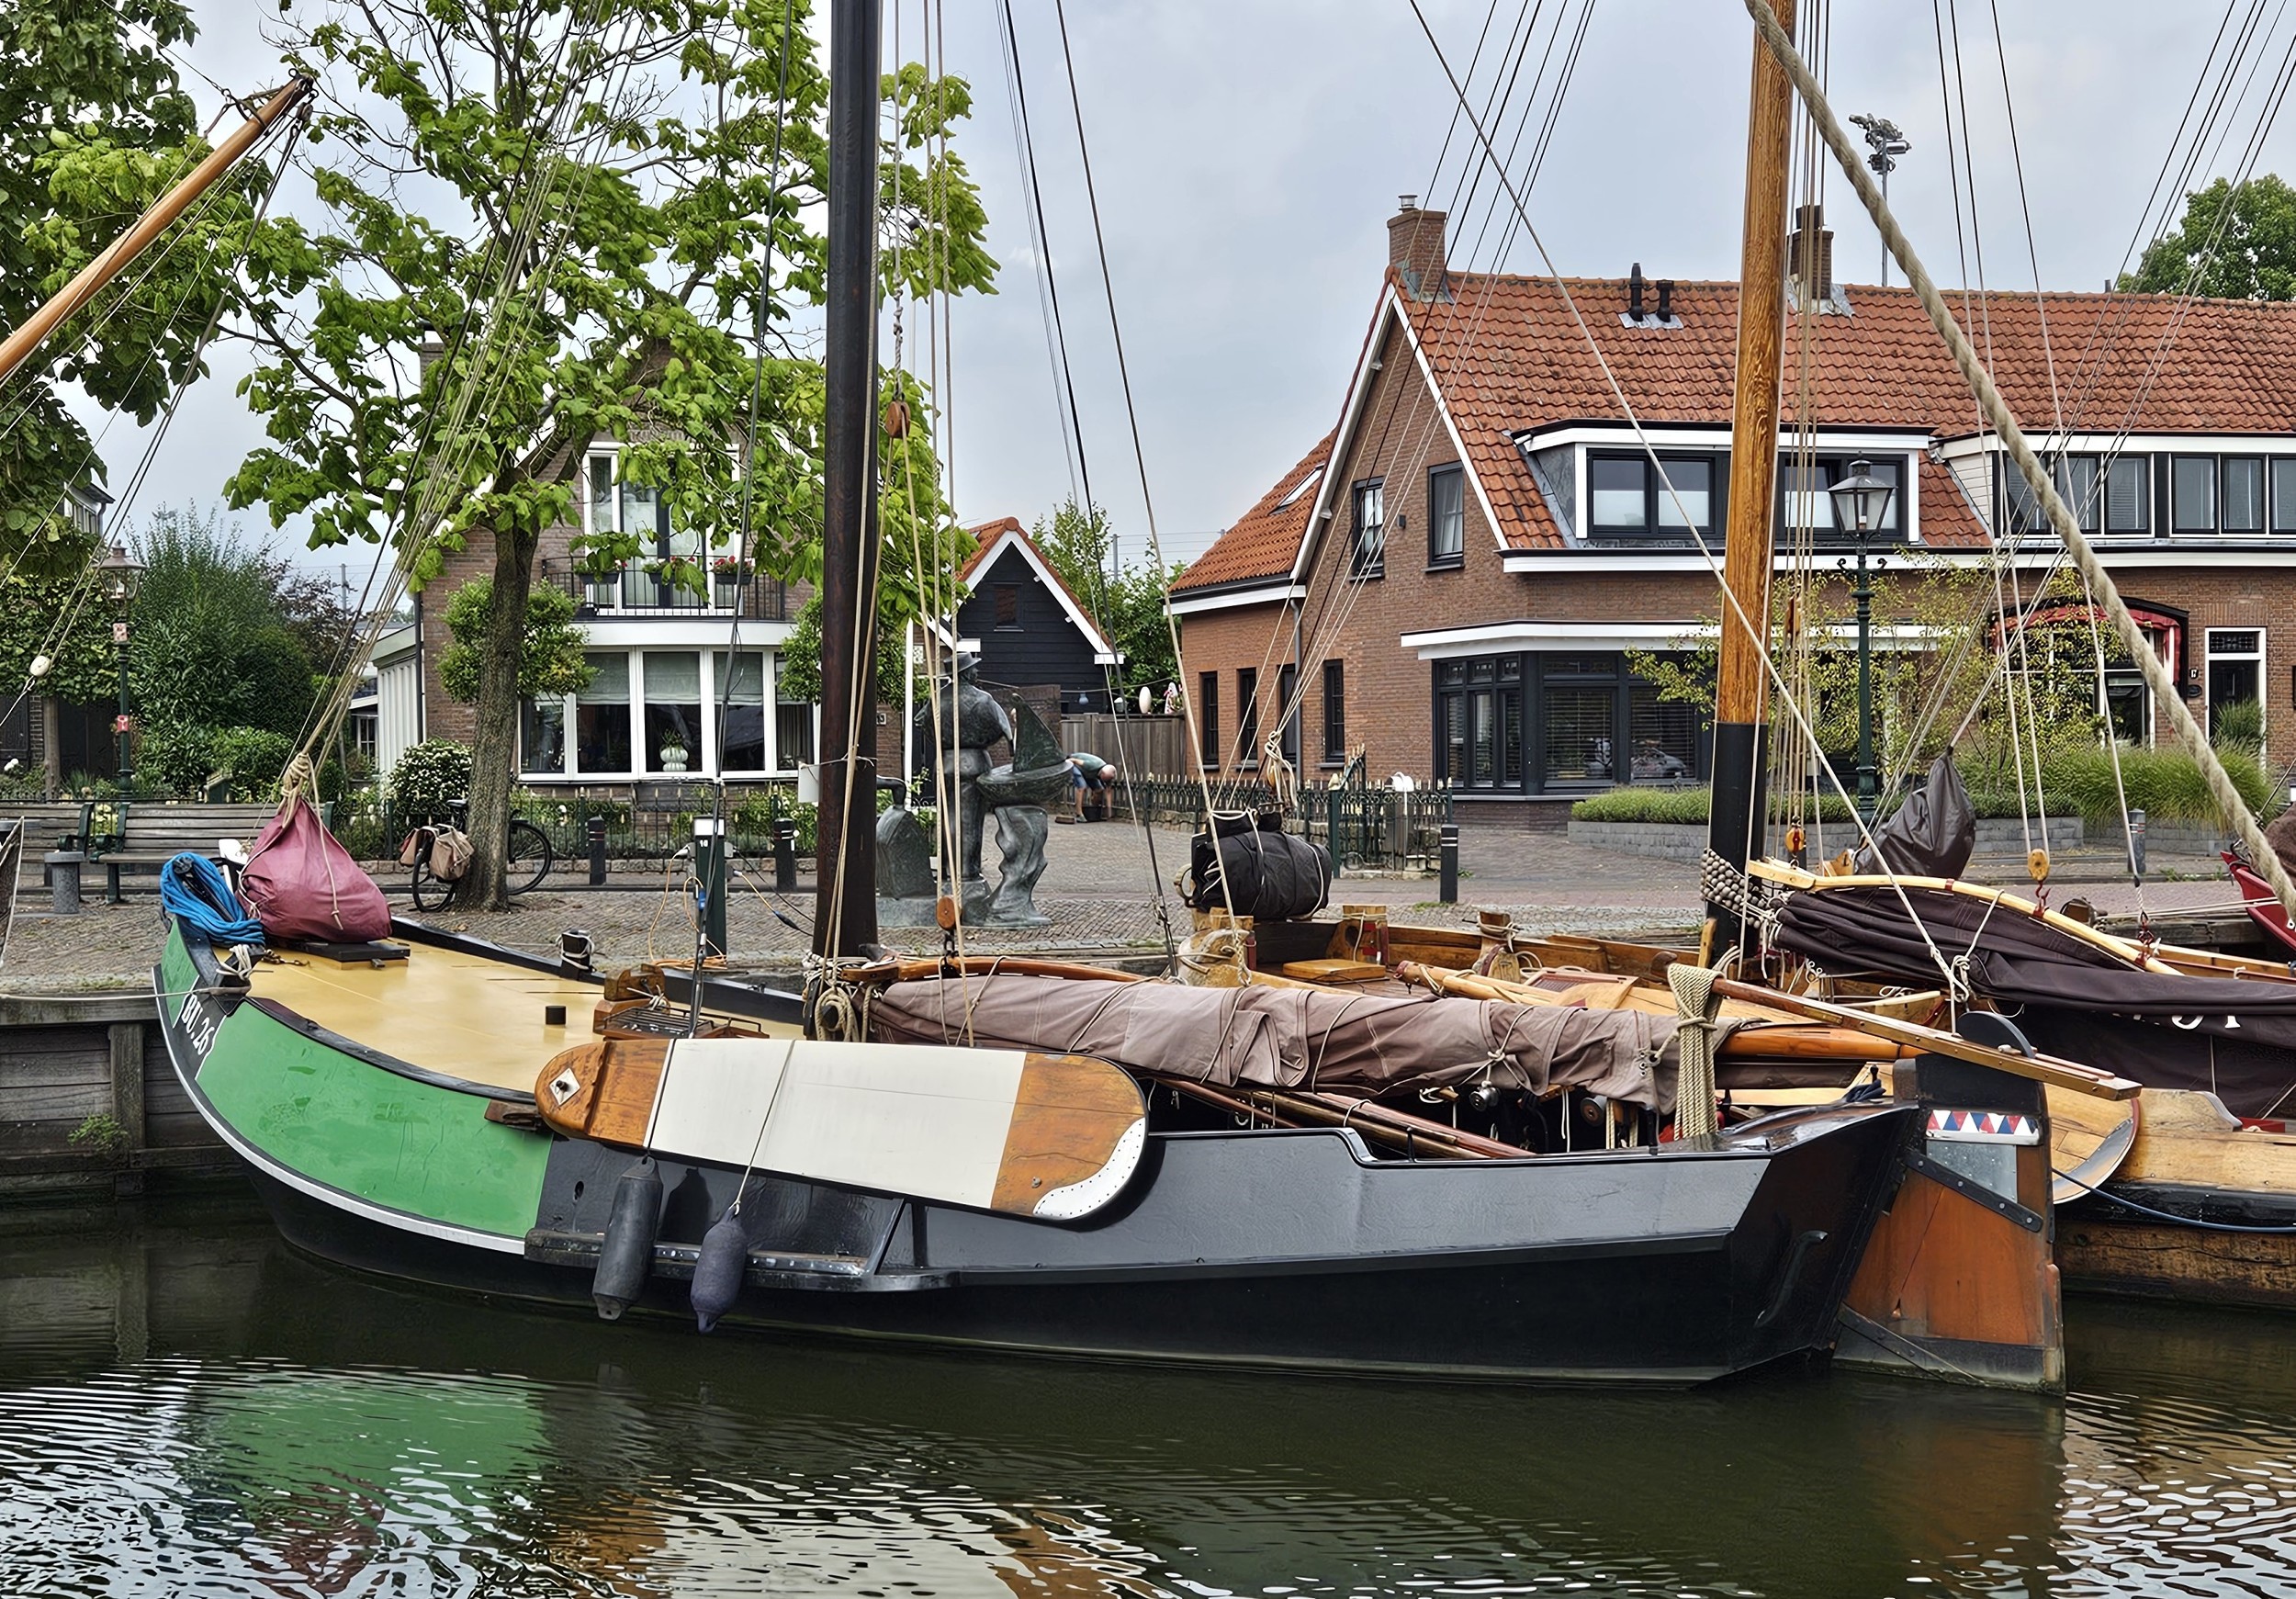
[
  {"x": 655, "y": 712},
  {"x": 2235, "y": 671}
]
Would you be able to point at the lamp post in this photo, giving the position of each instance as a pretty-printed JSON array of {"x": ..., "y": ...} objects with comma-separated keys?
[
  {"x": 1861, "y": 501},
  {"x": 119, "y": 571}
]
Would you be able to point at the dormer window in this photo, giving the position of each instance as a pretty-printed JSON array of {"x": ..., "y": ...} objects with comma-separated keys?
[
  {"x": 1627, "y": 500},
  {"x": 1804, "y": 502}
]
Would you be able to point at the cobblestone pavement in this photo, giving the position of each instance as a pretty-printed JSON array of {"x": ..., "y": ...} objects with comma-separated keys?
[{"x": 1096, "y": 888}]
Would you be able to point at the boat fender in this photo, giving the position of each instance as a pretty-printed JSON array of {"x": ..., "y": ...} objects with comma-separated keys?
[
  {"x": 626, "y": 1254},
  {"x": 718, "y": 1270}
]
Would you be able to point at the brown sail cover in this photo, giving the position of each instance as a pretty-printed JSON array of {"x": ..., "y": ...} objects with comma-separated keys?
[
  {"x": 1294, "y": 1038},
  {"x": 2234, "y": 1037}
]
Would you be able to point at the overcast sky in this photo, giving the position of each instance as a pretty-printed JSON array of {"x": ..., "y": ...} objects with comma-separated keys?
[{"x": 1248, "y": 153}]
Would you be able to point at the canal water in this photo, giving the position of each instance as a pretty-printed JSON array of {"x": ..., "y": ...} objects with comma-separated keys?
[{"x": 186, "y": 1408}]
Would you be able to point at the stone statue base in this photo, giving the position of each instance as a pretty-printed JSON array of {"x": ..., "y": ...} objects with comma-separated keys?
[{"x": 1020, "y": 834}]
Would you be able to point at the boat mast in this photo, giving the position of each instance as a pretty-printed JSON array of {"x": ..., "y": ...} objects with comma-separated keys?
[
  {"x": 92, "y": 278},
  {"x": 845, "y": 892},
  {"x": 1739, "y": 816}
]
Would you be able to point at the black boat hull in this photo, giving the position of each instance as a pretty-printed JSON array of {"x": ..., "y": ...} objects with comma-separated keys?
[{"x": 1281, "y": 1248}]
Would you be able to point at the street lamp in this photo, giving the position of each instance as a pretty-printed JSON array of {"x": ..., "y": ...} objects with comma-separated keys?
[
  {"x": 1861, "y": 501},
  {"x": 1887, "y": 144},
  {"x": 120, "y": 571}
]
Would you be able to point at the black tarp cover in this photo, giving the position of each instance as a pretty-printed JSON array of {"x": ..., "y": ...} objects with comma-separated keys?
[
  {"x": 2236, "y": 1037},
  {"x": 1931, "y": 835}
]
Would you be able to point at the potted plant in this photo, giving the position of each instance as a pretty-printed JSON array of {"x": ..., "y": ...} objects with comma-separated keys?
[
  {"x": 727, "y": 574},
  {"x": 602, "y": 579},
  {"x": 678, "y": 578}
]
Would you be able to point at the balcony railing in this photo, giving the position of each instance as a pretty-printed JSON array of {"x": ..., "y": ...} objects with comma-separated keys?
[{"x": 636, "y": 591}]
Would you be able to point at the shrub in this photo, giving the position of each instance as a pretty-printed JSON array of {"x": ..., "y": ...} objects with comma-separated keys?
[
  {"x": 427, "y": 776},
  {"x": 2166, "y": 785},
  {"x": 254, "y": 757},
  {"x": 177, "y": 758}
]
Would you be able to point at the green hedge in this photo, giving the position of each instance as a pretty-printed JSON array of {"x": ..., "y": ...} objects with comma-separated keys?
[{"x": 2164, "y": 783}]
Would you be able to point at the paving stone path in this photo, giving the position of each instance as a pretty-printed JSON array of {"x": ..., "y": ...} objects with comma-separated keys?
[{"x": 1098, "y": 889}]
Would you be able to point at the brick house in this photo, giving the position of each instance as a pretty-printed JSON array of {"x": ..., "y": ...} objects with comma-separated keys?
[
  {"x": 659, "y": 651},
  {"x": 1452, "y": 578}
]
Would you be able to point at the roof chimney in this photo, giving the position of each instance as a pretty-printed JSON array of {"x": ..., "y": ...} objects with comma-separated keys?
[
  {"x": 1414, "y": 248},
  {"x": 1810, "y": 254},
  {"x": 1666, "y": 299},
  {"x": 1634, "y": 293}
]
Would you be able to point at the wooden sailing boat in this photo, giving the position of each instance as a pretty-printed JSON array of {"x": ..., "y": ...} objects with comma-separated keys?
[{"x": 431, "y": 1110}]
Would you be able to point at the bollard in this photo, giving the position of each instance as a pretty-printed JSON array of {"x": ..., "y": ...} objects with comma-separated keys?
[
  {"x": 64, "y": 880},
  {"x": 784, "y": 857},
  {"x": 709, "y": 865},
  {"x": 597, "y": 850},
  {"x": 1447, "y": 886},
  {"x": 2136, "y": 843}
]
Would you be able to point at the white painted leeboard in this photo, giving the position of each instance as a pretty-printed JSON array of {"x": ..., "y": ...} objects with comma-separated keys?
[{"x": 921, "y": 1120}]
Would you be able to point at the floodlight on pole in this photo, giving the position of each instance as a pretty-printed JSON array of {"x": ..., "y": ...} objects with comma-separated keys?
[{"x": 1887, "y": 144}]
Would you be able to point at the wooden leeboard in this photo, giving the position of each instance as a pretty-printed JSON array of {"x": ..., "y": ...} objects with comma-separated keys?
[{"x": 1051, "y": 1136}]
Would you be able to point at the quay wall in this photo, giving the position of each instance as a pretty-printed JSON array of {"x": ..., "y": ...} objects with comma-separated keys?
[{"x": 94, "y": 1066}]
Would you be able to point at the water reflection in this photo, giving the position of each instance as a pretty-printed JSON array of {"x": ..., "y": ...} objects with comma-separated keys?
[{"x": 188, "y": 1409}]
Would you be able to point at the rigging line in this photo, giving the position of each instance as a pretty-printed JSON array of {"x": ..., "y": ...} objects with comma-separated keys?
[
  {"x": 1024, "y": 158},
  {"x": 742, "y": 542},
  {"x": 1095, "y": 598},
  {"x": 1969, "y": 176},
  {"x": 1500, "y": 94},
  {"x": 1330, "y": 619},
  {"x": 1139, "y": 458},
  {"x": 1349, "y": 585},
  {"x": 2090, "y": 374},
  {"x": 423, "y": 493},
  {"x": 2180, "y": 719},
  {"x": 1705, "y": 551},
  {"x": 1492, "y": 210},
  {"x": 2024, "y": 204},
  {"x": 1491, "y": 13}
]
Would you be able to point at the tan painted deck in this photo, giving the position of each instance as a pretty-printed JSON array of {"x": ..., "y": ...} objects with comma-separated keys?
[{"x": 448, "y": 1012}]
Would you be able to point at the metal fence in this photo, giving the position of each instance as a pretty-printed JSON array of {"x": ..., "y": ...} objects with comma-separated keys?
[
  {"x": 1366, "y": 828},
  {"x": 636, "y": 828}
]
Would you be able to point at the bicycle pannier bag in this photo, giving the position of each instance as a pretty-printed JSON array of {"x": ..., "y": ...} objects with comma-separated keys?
[{"x": 450, "y": 855}]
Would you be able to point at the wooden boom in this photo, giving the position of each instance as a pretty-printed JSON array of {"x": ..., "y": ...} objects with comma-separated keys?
[{"x": 92, "y": 278}]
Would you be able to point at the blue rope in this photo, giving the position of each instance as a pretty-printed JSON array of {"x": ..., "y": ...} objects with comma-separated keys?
[
  {"x": 2170, "y": 1215},
  {"x": 192, "y": 890}
]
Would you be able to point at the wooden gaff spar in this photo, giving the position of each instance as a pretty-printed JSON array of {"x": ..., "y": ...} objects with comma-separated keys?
[{"x": 90, "y": 279}]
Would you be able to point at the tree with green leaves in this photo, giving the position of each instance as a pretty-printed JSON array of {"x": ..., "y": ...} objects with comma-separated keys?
[
  {"x": 551, "y": 660},
  {"x": 2235, "y": 243},
  {"x": 1127, "y": 604},
  {"x": 93, "y": 127},
  {"x": 573, "y": 205}
]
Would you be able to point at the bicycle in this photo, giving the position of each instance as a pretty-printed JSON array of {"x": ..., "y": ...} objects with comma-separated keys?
[{"x": 527, "y": 864}]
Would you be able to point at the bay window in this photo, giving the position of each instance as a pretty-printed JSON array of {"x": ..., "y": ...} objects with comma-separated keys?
[{"x": 647, "y": 711}]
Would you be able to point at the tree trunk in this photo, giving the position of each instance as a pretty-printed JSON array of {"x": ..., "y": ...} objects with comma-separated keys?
[{"x": 494, "y": 745}]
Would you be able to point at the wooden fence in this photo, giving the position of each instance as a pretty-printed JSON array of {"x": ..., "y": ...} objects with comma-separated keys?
[{"x": 1147, "y": 746}]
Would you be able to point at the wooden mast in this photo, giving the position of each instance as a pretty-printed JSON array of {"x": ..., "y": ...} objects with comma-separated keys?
[
  {"x": 845, "y": 893},
  {"x": 92, "y": 278},
  {"x": 1740, "y": 765}
]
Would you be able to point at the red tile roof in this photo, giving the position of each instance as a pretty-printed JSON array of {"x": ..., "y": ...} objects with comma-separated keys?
[
  {"x": 1263, "y": 543},
  {"x": 1509, "y": 357}
]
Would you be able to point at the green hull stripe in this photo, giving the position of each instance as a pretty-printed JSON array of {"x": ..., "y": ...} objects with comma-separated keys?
[{"x": 390, "y": 1140}]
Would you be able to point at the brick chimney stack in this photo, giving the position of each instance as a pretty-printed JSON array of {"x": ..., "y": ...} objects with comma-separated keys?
[
  {"x": 1415, "y": 248},
  {"x": 1810, "y": 254}
]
